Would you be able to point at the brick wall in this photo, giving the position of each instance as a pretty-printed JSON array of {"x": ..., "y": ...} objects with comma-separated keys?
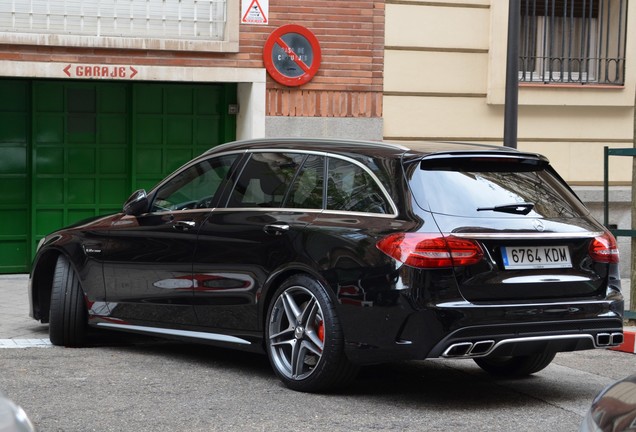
[{"x": 348, "y": 84}]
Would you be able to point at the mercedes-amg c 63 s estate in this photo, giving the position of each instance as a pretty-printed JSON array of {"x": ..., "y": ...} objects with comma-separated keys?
[{"x": 330, "y": 254}]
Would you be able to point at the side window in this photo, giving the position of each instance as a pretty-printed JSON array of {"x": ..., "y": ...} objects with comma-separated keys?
[
  {"x": 196, "y": 187},
  {"x": 351, "y": 188},
  {"x": 306, "y": 189},
  {"x": 265, "y": 179}
]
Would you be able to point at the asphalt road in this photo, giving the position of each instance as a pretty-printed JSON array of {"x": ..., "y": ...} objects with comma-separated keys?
[
  {"x": 141, "y": 386},
  {"x": 125, "y": 383}
]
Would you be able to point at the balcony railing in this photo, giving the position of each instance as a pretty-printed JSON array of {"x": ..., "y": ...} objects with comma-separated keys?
[{"x": 573, "y": 41}]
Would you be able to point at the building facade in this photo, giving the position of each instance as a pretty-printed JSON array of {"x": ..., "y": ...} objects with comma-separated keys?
[
  {"x": 445, "y": 78},
  {"x": 102, "y": 97}
]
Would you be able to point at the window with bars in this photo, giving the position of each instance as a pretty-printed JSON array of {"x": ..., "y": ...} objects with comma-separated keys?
[
  {"x": 126, "y": 23},
  {"x": 573, "y": 41}
]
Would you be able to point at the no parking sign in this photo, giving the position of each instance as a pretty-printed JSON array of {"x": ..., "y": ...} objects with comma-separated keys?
[{"x": 292, "y": 55}]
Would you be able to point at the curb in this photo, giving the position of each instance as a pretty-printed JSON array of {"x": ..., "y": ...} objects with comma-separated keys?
[{"x": 629, "y": 342}]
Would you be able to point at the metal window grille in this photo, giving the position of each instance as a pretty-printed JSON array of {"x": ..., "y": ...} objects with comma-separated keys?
[
  {"x": 573, "y": 41},
  {"x": 159, "y": 19}
]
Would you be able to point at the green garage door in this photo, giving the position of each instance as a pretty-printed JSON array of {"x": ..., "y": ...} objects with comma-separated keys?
[
  {"x": 90, "y": 144},
  {"x": 14, "y": 179},
  {"x": 173, "y": 124},
  {"x": 80, "y": 152}
]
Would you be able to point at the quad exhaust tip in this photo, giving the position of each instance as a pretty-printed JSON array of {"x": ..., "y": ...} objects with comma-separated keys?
[
  {"x": 469, "y": 349},
  {"x": 609, "y": 339}
]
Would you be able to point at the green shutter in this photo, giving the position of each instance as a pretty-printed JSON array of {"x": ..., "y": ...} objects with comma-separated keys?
[{"x": 76, "y": 149}]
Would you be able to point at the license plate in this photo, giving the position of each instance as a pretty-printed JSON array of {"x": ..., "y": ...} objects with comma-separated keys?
[{"x": 536, "y": 257}]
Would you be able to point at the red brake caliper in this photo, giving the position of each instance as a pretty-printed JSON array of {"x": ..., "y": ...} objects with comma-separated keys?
[{"x": 321, "y": 330}]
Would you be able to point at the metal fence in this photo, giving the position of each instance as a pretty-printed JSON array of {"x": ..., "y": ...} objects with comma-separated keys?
[
  {"x": 573, "y": 41},
  {"x": 160, "y": 19}
]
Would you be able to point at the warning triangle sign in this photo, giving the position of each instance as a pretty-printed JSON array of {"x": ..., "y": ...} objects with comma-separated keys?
[{"x": 254, "y": 14}]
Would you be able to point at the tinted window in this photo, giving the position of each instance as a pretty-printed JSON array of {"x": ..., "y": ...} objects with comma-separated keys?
[
  {"x": 196, "y": 187},
  {"x": 265, "y": 179},
  {"x": 307, "y": 188},
  {"x": 460, "y": 187},
  {"x": 351, "y": 188}
]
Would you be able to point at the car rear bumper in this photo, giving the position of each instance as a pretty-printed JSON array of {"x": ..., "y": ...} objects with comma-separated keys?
[
  {"x": 520, "y": 339},
  {"x": 466, "y": 330}
]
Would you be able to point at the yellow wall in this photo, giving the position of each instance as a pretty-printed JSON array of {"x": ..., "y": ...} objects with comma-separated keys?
[{"x": 445, "y": 80}]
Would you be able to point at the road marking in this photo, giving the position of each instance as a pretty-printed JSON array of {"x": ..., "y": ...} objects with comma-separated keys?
[{"x": 25, "y": 343}]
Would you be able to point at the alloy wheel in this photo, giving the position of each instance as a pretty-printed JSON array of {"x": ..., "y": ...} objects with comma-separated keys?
[{"x": 296, "y": 333}]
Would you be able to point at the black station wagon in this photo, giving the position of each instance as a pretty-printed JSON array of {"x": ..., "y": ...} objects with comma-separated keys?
[{"x": 331, "y": 254}]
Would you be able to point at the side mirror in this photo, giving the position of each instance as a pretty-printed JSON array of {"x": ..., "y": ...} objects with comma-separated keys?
[{"x": 137, "y": 203}]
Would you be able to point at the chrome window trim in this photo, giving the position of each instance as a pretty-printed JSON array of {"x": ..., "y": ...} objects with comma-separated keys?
[
  {"x": 301, "y": 210},
  {"x": 345, "y": 158},
  {"x": 191, "y": 163},
  {"x": 530, "y": 235},
  {"x": 186, "y": 211},
  {"x": 240, "y": 152},
  {"x": 183, "y": 167}
]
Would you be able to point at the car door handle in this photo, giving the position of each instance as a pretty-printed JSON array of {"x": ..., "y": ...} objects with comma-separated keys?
[
  {"x": 184, "y": 225},
  {"x": 276, "y": 229}
]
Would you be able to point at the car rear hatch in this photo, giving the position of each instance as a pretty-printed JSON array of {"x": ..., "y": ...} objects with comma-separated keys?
[{"x": 539, "y": 242}]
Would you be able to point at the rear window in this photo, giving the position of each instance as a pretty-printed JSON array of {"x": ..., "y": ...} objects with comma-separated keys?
[{"x": 493, "y": 187}]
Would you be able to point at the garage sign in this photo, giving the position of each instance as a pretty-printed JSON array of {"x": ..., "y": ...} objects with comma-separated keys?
[
  {"x": 99, "y": 71},
  {"x": 292, "y": 55}
]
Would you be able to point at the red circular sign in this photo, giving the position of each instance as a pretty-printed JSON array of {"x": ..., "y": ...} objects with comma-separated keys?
[{"x": 292, "y": 55}]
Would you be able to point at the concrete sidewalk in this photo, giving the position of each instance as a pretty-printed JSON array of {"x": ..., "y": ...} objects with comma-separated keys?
[
  {"x": 16, "y": 325},
  {"x": 15, "y": 322}
]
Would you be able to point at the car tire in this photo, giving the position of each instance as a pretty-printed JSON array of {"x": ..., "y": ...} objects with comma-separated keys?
[
  {"x": 515, "y": 366},
  {"x": 304, "y": 339},
  {"x": 67, "y": 316}
]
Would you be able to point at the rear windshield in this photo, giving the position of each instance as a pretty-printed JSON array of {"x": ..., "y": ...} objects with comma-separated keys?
[{"x": 484, "y": 187}]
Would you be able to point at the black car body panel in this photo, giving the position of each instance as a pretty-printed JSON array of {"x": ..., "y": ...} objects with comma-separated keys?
[{"x": 207, "y": 269}]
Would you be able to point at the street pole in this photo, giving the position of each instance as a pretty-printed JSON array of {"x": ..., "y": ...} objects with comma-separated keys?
[
  {"x": 632, "y": 288},
  {"x": 511, "y": 109}
]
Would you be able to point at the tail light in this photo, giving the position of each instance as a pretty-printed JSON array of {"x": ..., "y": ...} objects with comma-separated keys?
[
  {"x": 423, "y": 250},
  {"x": 604, "y": 249}
]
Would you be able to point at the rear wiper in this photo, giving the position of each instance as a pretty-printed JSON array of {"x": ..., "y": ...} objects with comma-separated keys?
[{"x": 517, "y": 208}]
